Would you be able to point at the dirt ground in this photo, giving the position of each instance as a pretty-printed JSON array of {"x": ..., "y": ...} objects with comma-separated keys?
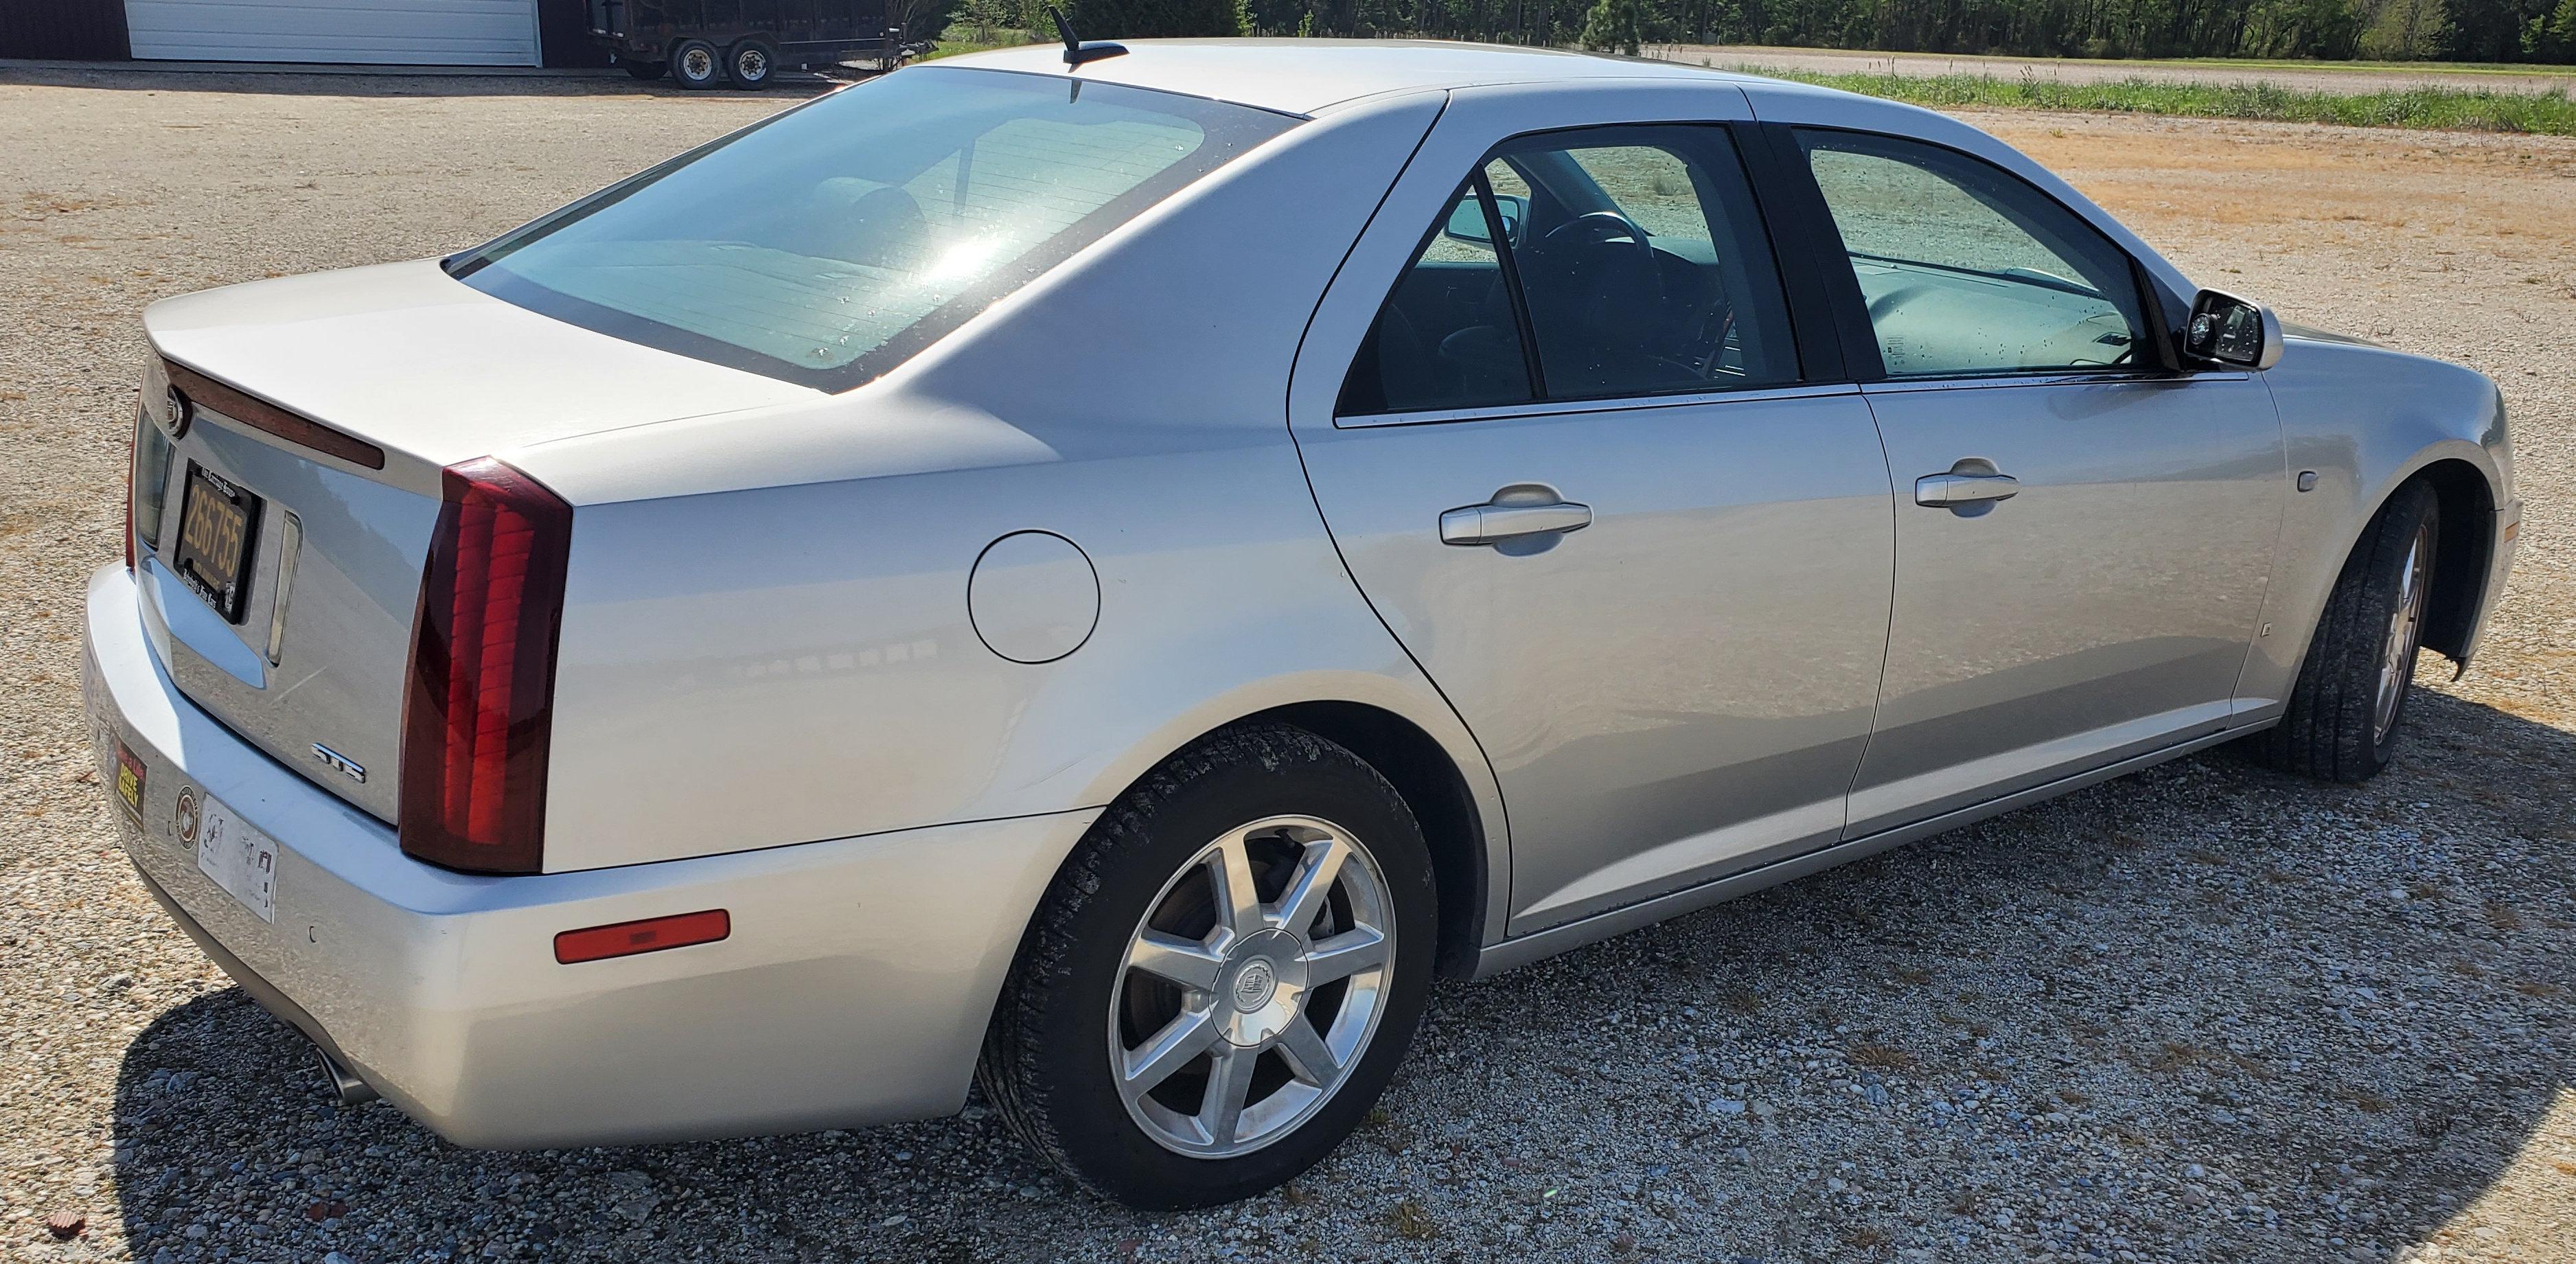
[
  {"x": 2202, "y": 1013},
  {"x": 2351, "y": 80}
]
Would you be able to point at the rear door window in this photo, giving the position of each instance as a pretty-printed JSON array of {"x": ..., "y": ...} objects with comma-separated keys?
[
  {"x": 1634, "y": 264},
  {"x": 1449, "y": 336},
  {"x": 832, "y": 242}
]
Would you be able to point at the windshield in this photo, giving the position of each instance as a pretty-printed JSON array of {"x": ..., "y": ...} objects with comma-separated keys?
[{"x": 830, "y": 243}]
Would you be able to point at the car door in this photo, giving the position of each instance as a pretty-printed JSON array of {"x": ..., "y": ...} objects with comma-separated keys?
[
  {"x": 1588, "y": 483},
  {"x": 2083, "y": 532}
]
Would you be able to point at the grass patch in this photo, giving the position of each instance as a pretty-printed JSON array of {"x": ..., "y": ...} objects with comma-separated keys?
[
  {"x": 1409, "y": 1220},
  {"x": 961, "y": 39},
  {"x": 1884, "y": 1057},
  {"x": 2447, "y": 109}
]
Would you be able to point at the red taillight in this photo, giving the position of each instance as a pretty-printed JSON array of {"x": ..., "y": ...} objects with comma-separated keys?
[
  {"x": 653, "y": 934},
  {"x": 480, "y": 701}
]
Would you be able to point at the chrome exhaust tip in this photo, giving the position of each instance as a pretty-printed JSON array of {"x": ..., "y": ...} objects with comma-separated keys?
[{"x": 345, "y": 1082}]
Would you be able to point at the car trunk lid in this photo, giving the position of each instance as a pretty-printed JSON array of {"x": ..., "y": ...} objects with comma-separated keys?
[{"x": 321, "y": 412}]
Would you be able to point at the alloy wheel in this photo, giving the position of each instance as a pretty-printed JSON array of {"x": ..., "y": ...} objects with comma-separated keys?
[
  {"x": 1251, "y": 987},
  {"x": 2405, "y": 633}
]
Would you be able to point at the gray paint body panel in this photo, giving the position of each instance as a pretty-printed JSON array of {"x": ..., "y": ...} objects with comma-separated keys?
[
  {"x": 2042, "y": 634},
  {"x": 1740, "y": 552}
]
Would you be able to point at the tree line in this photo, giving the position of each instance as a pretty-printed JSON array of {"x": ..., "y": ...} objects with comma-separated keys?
[{"x": 2452, "y": 30}]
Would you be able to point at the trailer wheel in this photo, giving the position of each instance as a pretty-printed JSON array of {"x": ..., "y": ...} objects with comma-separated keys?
[
  {"x": 646, "y": 70},
  {"x": 750, "y": 64},
  {"x": 696, "y": 64}
]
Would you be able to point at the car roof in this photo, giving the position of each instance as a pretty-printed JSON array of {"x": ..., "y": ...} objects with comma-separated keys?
[{"x": 1304, "y": 76}]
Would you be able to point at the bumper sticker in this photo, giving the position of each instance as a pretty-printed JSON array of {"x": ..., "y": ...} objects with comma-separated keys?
[{"x": 129, "y": 781}]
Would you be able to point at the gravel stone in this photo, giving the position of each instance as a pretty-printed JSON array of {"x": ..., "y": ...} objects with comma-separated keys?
[{"x": 2058, "y": 1004}]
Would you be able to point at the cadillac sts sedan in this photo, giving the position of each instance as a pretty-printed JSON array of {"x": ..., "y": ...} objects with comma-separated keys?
[{"x": 1098, "y": 573}]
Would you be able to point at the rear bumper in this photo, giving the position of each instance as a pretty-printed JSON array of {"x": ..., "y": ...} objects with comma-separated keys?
[{"x": 854, "y": 988}]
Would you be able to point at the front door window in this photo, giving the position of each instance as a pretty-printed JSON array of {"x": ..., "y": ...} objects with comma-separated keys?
[{"x": 1967, "y": 269}]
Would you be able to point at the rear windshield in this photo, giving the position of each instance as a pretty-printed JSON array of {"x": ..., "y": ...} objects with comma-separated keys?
[{"x": 828, "y": 244}]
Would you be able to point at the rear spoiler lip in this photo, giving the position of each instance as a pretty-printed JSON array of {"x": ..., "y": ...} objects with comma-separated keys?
[{"x": 259, "y": 414}]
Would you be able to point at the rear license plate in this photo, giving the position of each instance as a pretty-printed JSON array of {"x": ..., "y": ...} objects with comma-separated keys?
[
  {"x": 129, "y": 781},
  {"x": 217, "y": 525},
  {"x": 240, "y": 859}
]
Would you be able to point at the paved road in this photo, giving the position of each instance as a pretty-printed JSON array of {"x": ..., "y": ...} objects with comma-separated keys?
[{"x": 2078, "y": 70}]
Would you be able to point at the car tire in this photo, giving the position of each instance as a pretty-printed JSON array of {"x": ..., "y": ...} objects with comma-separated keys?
[
  {"x": 1078, "y": 1014},
  {"x": 645, "y": 70},
  {"x": 2342, "y": 720},
  {"x": 751, "y": 64},
  {"x": 696, "y": 64}
]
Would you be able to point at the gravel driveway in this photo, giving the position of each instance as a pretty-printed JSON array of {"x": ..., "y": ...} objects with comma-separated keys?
[{"x": 2203, "y": 1013}]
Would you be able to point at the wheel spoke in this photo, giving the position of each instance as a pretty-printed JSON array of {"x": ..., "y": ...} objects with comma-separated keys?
[
  {"x": 1294, "y": 903},
  {"x": 1238, "y": 899},
  {"x": 1184, "y": 961},
  {"x": 1229, "y": 1082},
  {"x": 1185, "y": 1037},
  {"x": 2405, "y": 626},
  {"x": 1343, "y": 955},
  {"x": 1316, "y": 870},
  {"x": 1307, "y": 1053}
]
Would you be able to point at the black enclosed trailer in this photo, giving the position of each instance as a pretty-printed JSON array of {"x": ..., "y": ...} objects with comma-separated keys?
[{"x": 706, "y": 42}]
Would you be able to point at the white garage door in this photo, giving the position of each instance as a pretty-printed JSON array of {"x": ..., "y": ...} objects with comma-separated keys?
[{"x": 398, "y": 32}]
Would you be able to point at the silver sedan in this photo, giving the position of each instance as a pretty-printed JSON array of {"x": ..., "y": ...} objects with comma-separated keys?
[{"x": 1100, "y": 572}]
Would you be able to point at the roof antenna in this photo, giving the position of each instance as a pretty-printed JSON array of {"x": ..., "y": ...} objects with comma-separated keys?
[{"x": 1077, "y": 52}]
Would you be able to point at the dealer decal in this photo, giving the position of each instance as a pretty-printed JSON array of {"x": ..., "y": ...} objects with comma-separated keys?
[{"x": 129, "y": 781}]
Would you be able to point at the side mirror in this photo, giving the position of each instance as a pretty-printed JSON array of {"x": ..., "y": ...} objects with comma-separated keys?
[
  {"x": 2228, "y": 330},
  {"x": 1467, "y": 222}
]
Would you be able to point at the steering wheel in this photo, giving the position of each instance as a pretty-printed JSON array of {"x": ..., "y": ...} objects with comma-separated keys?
[
  {"x": 1598, "y": 228},
  {"x": 1603, "y": 228}
]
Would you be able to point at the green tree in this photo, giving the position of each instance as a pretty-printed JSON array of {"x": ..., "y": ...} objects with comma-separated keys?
[
  {"x": 2552, "y": 36},
  {"x": 2404, "y": 30},
  {"x": 2301, "y": 28},
  {"x": 1615, "y": 26},
  {"x": 1150, "y": 19}
]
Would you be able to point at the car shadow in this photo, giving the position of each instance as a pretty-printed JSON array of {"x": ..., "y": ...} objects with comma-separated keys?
[
  {"x": 371, "y": 82},
  {"x": 2262, "y": 1018}
]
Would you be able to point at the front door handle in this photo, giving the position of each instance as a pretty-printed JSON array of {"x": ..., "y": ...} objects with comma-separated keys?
[
  {"x": 1948, "y": 491},
  {"x": 1493, "y": 523}
]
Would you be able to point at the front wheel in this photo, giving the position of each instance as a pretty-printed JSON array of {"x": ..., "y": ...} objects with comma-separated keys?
[
  {"x": 1224, "y": 975},
  {"x": 2341, "y": 723}
]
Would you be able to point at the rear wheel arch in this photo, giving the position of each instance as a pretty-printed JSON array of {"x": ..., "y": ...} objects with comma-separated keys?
[
  {"x": 1443, "y": 804},
  {"x": 1455, "y": 822}
]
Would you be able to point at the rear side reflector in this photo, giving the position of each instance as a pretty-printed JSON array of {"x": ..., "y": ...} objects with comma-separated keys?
[
  {"x": 479, "y": 706},
  {"x": 653, "y": 934}
]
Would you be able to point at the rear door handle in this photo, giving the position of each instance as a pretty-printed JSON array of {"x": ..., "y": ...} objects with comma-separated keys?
[
  {"x": 1943, "y": 491},
  {"x": 1491, "y": 523}
]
